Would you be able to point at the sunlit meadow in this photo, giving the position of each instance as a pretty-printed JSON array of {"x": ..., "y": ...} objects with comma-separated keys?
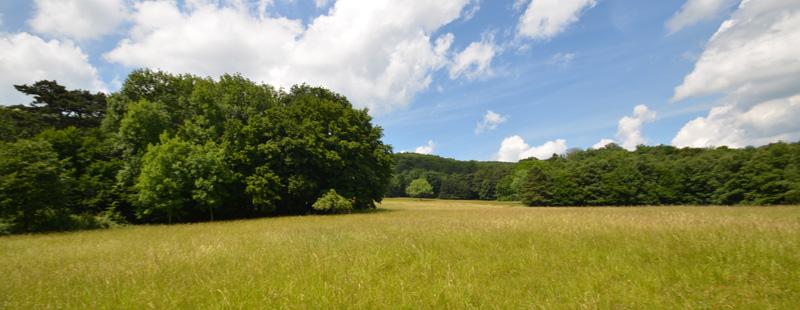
[{"x": 422, "y": 254}]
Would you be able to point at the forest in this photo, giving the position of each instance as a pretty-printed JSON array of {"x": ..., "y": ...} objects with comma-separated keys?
[
  {"x": 613, "y": 176},
  {"x": 449, "y": 178},
  {"x": 180, "y": 148}
]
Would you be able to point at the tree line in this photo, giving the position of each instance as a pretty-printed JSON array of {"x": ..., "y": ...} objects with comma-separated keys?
[
  {"x": 613, "y": 176},
  {"x": 660, "y": 175},
  {"x": 448, "y": 178},
  {"x": 181, "y": 148}
]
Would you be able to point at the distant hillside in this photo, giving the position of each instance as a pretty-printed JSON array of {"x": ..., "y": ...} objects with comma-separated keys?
[{"x": 450, "y": 178}]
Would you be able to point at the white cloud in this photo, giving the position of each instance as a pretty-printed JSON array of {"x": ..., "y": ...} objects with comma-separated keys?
[
  {"x": 26, "y": 58},
  {"x": 695, "y": 11},
  {"x": 729, "y": 125},
  {"x": 426, "y": 149},
  {"x": 752, "y": 62},
  {"x": 752, "y": 57},
  {"x": 602, "y": 143},
  {"x": 629, "y": 129},
  {"x": 475, "y": 61},
  {"x": 490, "y": 122},
  {"x": 78, "y": 19},
  {"x": 378, "y": 53},
  {"x": 544, "y": 19},
  {"x": 471, "y": 11},
  {"x": 514, "y": 148}
]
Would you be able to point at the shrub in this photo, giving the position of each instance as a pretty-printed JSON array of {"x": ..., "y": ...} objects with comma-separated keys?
[{"x": 332, "y": 203}]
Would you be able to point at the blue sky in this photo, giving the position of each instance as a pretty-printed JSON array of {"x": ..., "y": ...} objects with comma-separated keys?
[{"x": 555, "y": 74}]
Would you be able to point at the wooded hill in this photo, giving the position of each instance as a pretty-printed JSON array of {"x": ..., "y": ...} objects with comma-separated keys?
[
  {"x": 650, "y": 175},
  {"x": 450, "y": 178}
]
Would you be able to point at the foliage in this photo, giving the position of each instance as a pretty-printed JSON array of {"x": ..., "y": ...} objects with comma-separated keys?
[
  {"x": 142, "y": 125},
  {"x": 449, "y": 178},
  {"x": 419, "y": 188},
  {"x": 18, "y": 123},
  {"x": 181, "y": 148},
  {"x": 332, "y": 203},
  {"x": 33, "y": 187},
  {"x": 182, "y": 181},
  {"x": 656, "y": 175},
  {"x": 62, "y": 108}
]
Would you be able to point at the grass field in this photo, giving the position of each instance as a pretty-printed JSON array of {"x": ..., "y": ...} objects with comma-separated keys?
[{"x": 422, "y": 254}]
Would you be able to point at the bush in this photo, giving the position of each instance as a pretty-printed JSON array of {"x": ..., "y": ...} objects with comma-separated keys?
[
  {"x": 332, "y": 203},
  {"x": 106, "y": 219}
]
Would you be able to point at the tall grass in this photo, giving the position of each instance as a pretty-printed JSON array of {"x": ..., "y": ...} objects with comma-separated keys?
[{"x": 422, "y": 254}]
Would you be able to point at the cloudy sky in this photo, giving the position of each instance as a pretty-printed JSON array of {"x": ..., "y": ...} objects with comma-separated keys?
[{"x": 469, "y": 79}]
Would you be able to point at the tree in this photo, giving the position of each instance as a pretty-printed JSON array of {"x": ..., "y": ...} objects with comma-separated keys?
[
  {"x": 419, "y": 188},
  {"x": 182, "y": 181},
  {"x": 456, "y": 186},
  {"x": 142, "y": 125},
  {"x": 314, "y": 140},
  {"x": 18, "y": 123},
  {"x": 91, "y": 159},
  {"x": 62, "y": 108},
  {"x": 448, "y": 177},
  {"x": 33, "y": 187}
]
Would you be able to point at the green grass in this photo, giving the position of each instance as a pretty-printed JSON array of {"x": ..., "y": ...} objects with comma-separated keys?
[{"x": 422, "y": 254}]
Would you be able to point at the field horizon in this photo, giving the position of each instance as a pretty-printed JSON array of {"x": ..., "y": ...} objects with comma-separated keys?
[{"x": 422, "y": 254}]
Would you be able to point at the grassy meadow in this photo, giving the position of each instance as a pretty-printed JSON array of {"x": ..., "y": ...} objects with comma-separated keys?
[{"x": 422, "y": 254}]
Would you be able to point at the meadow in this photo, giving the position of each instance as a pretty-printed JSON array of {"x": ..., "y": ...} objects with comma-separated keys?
[{"x": 421, "y": 254}]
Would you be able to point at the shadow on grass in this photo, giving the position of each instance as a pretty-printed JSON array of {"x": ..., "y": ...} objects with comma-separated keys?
[{"x": 375, "y": 210}]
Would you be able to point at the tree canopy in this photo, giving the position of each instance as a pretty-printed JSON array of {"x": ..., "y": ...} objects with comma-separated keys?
[
  {"x": 419, "y": 188},
  {"x": 178, "y": 148},
  {"x": 181, "y": 148}
]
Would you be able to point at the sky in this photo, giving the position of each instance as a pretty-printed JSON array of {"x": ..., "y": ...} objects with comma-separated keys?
[{"x": 466, "y": 79}]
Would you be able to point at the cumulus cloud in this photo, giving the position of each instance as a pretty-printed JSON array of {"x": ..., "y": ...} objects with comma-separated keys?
[
  {"x": 752, "y": 62},
  {"x": 752, "y": 56},
  {"x": 475, "y": 60},
  {"x": 490, "y": 122},
  {"x": 378, "y": 53},
  {"x": 26, "y": 58},
  {"x": 78, "y": 19},
  {"x": 729, "y": 125},
  {"x": 629, "y": 129},
  {"x": 544, "y": 19},
  {"x": 514, "y": 148},
  {"x": 695, "y": 11},
  {"x": 426, "y": 149},
  {"x": 602, "y": 143}
]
